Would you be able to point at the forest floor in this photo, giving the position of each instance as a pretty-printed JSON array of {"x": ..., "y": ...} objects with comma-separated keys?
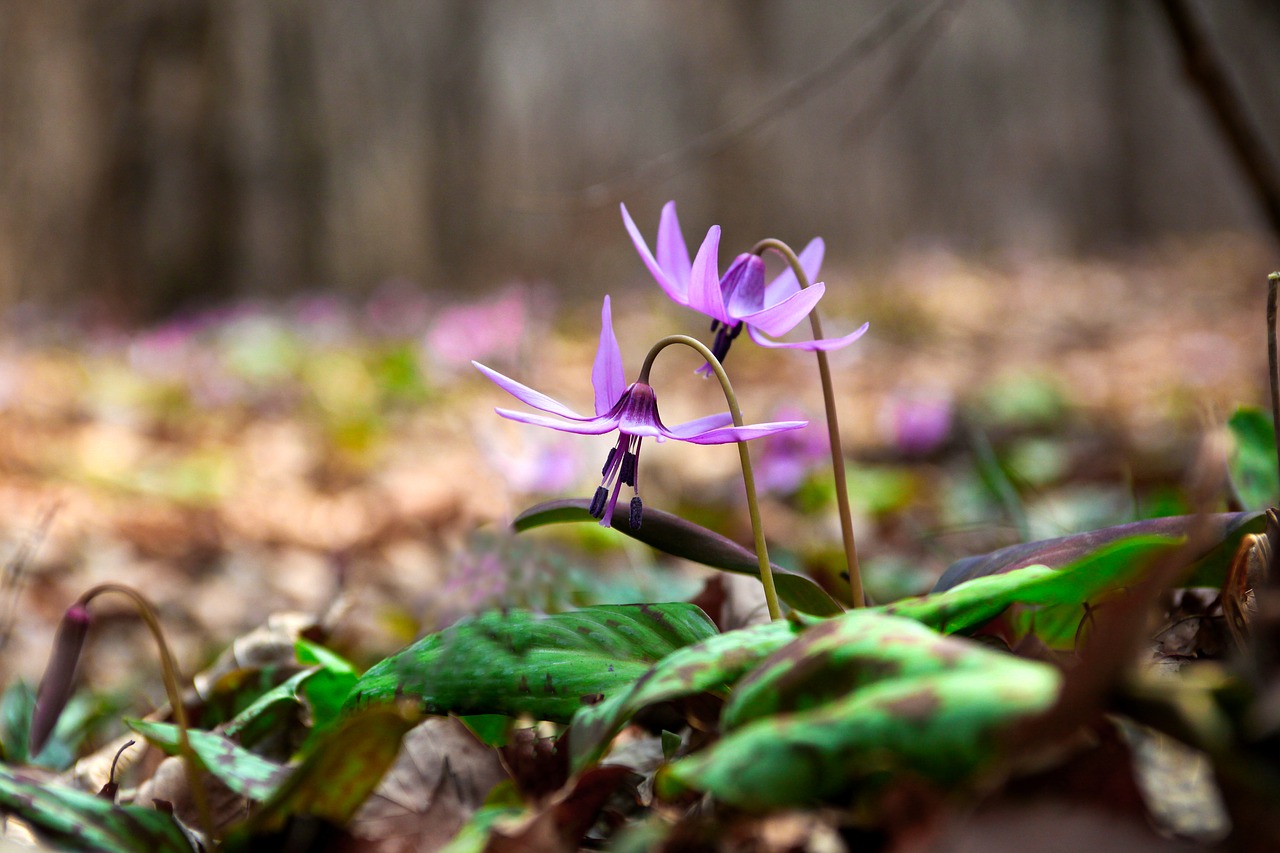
[{"x": 327, "y": 457}]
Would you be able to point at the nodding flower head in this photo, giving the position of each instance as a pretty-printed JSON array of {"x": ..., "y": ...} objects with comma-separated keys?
[
  {"x": 632, "y": 410},
  {"x": 739, "y": 298}
]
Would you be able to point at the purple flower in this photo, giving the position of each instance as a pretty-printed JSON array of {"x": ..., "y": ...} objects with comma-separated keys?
[
  {"x": 740, "y": 297},
  {"x": 632, "y": 410}
]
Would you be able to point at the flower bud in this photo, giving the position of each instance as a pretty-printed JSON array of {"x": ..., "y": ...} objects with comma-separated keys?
[{"x": 59, "y": 676}]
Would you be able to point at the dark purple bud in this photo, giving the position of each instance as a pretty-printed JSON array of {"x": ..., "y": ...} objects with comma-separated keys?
[
  {"x": 59, "y": 676},
  {"x": 598, "y": 502},
  {"x": 637, "y": 510}
]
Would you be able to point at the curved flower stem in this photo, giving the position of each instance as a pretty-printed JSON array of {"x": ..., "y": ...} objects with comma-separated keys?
[
  {"x": 748, "y": 474},
  {"x": 169, "y": 669},
  {"x": 833, "y": 424}
]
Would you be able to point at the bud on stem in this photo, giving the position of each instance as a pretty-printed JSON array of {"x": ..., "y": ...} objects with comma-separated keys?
[{"x": 59, "y": 676}]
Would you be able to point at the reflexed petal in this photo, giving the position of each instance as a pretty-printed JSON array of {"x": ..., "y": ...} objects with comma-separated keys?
[
  {"x": 783, "y": 317},
  {"x": 586, "y": 426},
  {"x": 743, "y": 285},
  {"x": 824, "y": 344},
  {"x": 694, "y": 427},
  {"x": 675, "y": 289},
  {"x": 704, "y": 279},
  {"x": 724, "y": 435},
  {"x": 673, "y": 254},
  {"x": 786, "y": 283},
  {"x": 525, "y": 394},
  {"x": 607, "y": 377}
]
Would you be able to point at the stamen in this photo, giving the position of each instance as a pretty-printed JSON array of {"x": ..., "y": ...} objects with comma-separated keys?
[
  {"x": 637, "y": 509},
  {"x": 608, "y": 460},
  {"x": 598, "y": 502},
  {"x": 628, "y": 472}
]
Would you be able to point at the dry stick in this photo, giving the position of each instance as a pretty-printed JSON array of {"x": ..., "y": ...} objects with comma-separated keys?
[
  {"x": 169, "y": 670},
  {"x": 1207, "y": 73},
  {"x": 748, "y": 475},
  {"x": 833, "y": 425},
  {"x": 1273, "y": 281},
  {"x": 720, "y": 138}
]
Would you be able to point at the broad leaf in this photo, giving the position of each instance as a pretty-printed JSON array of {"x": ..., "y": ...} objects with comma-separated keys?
[
  {"x": 673, "y": 535},
  {"x": 1253, "y": 458},
  {"x": 943, "y": 727},
  {"x": 713, "y": 664},
  {"x": 841, "y": 655},
  {"x": 325, "y": 691},
  {"x": 523, "y": 663},
  {"x": 976, "y": 602},
  {"x": 1210, "y": 567},
  {"x": 76, "y": 820},
  {"x": 341, "y": 771},
  {"x": 244, "y": 772},
  {"x": 266, "y": 712}
]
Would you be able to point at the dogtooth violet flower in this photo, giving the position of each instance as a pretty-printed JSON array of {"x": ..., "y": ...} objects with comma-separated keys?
[
  {"x": 632, "y": 410},
  {"x": 739, "y": 297}
]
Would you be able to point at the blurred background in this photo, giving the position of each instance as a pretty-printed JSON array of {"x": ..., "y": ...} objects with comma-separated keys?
[{"x": 165, "y": 155}]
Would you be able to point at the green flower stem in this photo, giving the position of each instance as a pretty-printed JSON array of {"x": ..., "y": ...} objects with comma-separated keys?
[
  {"x": 169, "y": 669},
  {"x": 748, "y": 474},
  {"x": 833, "y": 425}
]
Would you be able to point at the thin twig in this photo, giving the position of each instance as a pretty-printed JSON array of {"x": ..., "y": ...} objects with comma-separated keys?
[
  {"x": 1207, "y": 73},
  {"x": 719, "y": 138}
]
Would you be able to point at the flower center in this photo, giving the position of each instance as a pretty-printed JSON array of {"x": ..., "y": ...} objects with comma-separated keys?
[
  {"x": 620, "y": 468},
  {"x": 720, "y": 346}
]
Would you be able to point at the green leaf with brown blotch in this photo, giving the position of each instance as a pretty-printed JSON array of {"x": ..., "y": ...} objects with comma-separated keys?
[
  {"x": 975, "y": 602},
  {"x": 341, "y": 771},
  {"x": 680, "y": 538},
  {"x": 247, "y": 773},
  {"x": 78, "y": 820},
  {"x": 517, "y": 662},
  {"x": 1209, "y": 568},
  {"x": 713, "y": 664},
  {"x": 943, "y": 727},
  {"x": 839, "y": 656}
]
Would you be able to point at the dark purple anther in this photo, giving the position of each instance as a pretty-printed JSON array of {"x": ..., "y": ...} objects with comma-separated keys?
[
  {"x": 637, "y": 510},
  {"x": 598, "y": 501}
]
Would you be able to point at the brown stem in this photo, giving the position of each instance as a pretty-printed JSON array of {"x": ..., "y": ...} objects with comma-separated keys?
[
  {"x": 169, "y": 671},
  {"x": 833, "y": 425}
]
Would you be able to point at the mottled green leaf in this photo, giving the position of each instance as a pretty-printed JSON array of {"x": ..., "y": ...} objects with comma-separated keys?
[
  {"x": 1252, "y": 463},
  {"x": 523, "y": 663},
  {"x": 266, "y": 713},
  {"x": 341, "y": 771},
  {"x": 680, "y": 538},
  {"x": 247, "y": 773},
  {"x": 712, "y": 664},
  {"x": 76, "y": 820},
  {"x": 943, "y": 727},
  {"x": 325, "y": 691},
  {"x": 977, "y": 601},
  {"x": 1209, "y": 569},
  {"x": 841, "y": 655}
]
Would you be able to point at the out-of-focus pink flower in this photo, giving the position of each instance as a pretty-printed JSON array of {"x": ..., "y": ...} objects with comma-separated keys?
[
  {"x": 492, "y": 329},
  {"x": 397, "y": 309},
  {"x": 537, "y": 463},
  {"x": 787, "y": 458},
  {"x": 918, "y": 422}
]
